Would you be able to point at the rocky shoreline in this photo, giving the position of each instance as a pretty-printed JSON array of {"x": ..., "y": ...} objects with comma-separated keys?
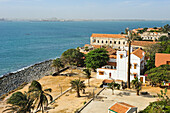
[{"x": 13, "y": 80}]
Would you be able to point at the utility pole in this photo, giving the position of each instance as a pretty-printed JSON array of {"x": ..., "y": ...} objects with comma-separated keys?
[{"x": 129, "y": 51}]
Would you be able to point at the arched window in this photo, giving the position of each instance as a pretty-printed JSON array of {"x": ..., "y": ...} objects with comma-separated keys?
[
  {"x": 102, "y": 41},
  {"x": 106, "y": 42},
  {"x": 98, "y": 41},
  {"x": 110, "y": 42},
  {"x": 119, "y": 42},
  {"x": 123, "y": 42},
  {"x": 114, "y": 42}
]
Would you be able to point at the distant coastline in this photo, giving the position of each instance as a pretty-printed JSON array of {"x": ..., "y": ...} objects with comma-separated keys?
[{"x": 72, "y": 20}]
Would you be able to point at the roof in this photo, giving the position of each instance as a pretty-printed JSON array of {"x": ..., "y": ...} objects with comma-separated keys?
[
  {"x": 139, "y": 53},
  {"x": 108, "y": 35},
  {"x": 157, "y": 29},
  {"x": 143, "y": 43},
  {"x": 113, "y": 56},
  {"x": 86, "y": 45},
  {"x": 96, "y": 46},
  {"x": 112, "y": 64},
  {"x": 107, "y": 81},
  {"x": 111, "y": 51},
  {"x": 161, "y": 58},
  {"x": 121, "y": 107},
  {"x": 85, "y": 52}
]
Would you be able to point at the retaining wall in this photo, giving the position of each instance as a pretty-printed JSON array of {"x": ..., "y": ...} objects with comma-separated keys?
[{"x": 12, "y": 80}]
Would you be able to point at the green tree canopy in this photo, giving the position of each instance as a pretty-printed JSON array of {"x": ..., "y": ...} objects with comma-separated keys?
[
  {"x": 159, "y": 74},
  {"x": 57, "y": 63},
  {"x": 21, "y": 103},
  {"x": 96, "y": 58},
  {"x": 78, "y": 85},
  {"x": 39, "y": 95},
  {"x": 72, "y": 57},
  {"x": 137, "y": 85},
  {"x": 164, "y": 38}
]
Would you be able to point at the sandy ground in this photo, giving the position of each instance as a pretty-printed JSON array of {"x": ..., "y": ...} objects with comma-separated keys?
[
  {"x": 68, "y": 102},
  {"x": 106, "y": 99}
]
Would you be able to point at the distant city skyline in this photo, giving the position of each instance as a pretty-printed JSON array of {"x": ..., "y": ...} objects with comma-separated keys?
[{"x": 85, "y": 9}]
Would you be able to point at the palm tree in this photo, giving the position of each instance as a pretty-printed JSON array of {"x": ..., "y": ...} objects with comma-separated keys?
[
  {"x": 57, "y": 64},
  {"x": 88, "y": 75},
  {"x": 137, "y": 85},
  {"x": 40, "y": 95},
  {"x": 78, "y": 85},
  {"x": 112, "y": 86},
  {"x": 20, "y": 103}
]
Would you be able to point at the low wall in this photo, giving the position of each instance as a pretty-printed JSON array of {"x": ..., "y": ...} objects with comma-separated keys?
[{"x": 11, "y": 81}]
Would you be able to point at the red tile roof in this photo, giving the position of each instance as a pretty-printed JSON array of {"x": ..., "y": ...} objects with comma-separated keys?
[
  {"x": 86, "y": 45},
  {"x": 112, "y": 64},
  {"x": 108, "y": 35},
  {"x": 139, "y": 53},
  {"x": 96, "y": 46},
  {"x": 121, "y": 107},
  {"x": 107, "y": 81},
  {"x": 143, "y": 43},
  {"x": 113, "y": 56},
  {"x": 161, "y": 58}
]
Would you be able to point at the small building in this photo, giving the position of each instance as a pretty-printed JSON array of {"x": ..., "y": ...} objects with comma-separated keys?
[
  {"x": 117, "y": 67},
  {"x": 113, "y": 40},
  {"x": 121, "y": 107},
  {"x": 142, "y": 44},
  {"x": 162, "y": 59},
  {"x": 152, "y": 35}
]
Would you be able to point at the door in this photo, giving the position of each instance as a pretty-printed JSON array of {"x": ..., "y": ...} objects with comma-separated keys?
[
  {"x": 110, "y": 75},
  {"x": 141, "y": 79}
]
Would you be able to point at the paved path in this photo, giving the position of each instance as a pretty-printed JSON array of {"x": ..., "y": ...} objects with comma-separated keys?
[{"x": 106, "y": 99}]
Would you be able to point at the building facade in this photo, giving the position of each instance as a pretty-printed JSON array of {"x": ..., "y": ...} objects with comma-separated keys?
[
  {"x": 152, "y": 35},
  {"x": 117, "y": 67},
  {"x": 113, "y": 40}
]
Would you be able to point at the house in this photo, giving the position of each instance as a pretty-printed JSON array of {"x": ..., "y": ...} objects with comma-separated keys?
[
  {"x": 152, "y": 35},
  {"x": 162, "y": 59},
  {"x": 117, "y": 67},
  {"x": 113, "y": 40},
  {"x": 142, "y": 44},
  {"x": 121, "y": 107}
]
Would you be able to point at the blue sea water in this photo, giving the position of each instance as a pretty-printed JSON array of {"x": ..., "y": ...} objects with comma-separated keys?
[{"x": 26, "y": 43}]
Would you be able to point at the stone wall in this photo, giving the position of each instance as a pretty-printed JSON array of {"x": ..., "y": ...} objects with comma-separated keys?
[{"x": 12, "y": 80}]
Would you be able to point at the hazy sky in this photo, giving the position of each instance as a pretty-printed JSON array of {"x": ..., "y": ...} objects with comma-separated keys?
[{"x": 85, "y": 9}]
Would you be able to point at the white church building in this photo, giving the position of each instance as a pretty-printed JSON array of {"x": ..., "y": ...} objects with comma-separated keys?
[{"x": 117, "y": 67}]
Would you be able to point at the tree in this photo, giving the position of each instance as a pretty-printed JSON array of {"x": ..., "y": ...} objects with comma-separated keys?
[
  {"x": 112, "y": 86},
  {"x": 78, "y": 85},
  {"x": 57, "y": 64},
  {"x": 137, "y": 85},
  {"x": 21, "y": 103},
  {"x": 39, "y": 95},
  {"x": 159, "y": 74},
  {"x": 164, "y": 38},
  {"x": 96, "y": 58},
  {"x": 88, "y": 75},
  {"x": 161, "y": 106},
  {"x": 166, "y": 28},
  {"x": 72, "y": 57}
]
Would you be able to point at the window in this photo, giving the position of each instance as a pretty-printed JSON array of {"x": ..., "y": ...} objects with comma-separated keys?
[
  {"x": 101, "y": 72},
  {"x": 168, "y": 62},
  {"x": 94, "y": 40},
  {"x": 102, "y": 41},
  {"x": 134, "y": 75},
  {"x": 106, "y": 42},
  {"x": 130, "y": 66},
  {"x": 114, "y": 42},
  {"x": 98, "y": 41},
  {"x": 110, "y": 75},
  {"x": 135, "y": 66},
  {"x": 110, "y": 42},
  {"x": 121, "y": 56},
  {"x": 124, "y": 43},
  {"x": 119, "y": 42}
]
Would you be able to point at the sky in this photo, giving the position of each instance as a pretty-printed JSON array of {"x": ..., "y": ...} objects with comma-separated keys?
[{"x": 85, "y": 9}]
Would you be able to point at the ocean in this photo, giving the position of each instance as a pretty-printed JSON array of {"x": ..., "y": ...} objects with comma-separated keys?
[{"x": 26, "y": 43}]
